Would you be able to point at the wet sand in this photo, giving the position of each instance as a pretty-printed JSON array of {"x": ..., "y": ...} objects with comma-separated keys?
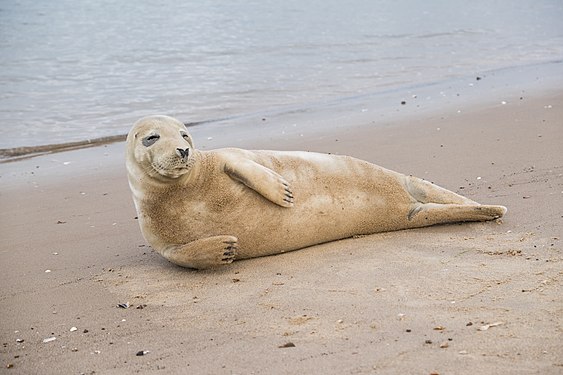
[{"x": 463, "y": 299}]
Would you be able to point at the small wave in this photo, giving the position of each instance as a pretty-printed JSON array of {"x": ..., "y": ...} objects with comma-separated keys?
[
  {"x": 18, "y": 153},
  {"x": 459, "y": 32}
]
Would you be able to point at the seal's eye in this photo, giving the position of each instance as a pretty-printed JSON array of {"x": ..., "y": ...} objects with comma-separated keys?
[
  {"x": 187, "y": 138},
  {"x": 150, "y": 140}
]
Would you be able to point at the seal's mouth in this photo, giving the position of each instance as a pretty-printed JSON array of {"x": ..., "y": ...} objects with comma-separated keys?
[
  {"x": 157, "y": 169},
  {"x": 182, "y": 169}
]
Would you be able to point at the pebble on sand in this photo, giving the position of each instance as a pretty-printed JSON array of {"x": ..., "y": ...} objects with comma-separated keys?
[{"x": 487, "y": 326}]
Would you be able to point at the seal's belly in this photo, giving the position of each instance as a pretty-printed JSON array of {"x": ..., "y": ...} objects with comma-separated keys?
[{"x": 328, "y": 206}]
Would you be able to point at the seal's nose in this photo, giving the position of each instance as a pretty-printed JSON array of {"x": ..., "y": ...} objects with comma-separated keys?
[{"x": 183, "y": 153}]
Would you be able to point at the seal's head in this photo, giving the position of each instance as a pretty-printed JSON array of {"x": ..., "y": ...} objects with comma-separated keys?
[{"x": 159, "y": 147}]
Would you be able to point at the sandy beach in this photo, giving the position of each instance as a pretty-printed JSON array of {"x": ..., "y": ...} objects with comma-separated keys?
[{"x": 478, "y": 298}]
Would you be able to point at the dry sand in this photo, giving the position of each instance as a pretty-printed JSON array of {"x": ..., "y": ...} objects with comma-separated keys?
[{"x": 458, "y": 299}]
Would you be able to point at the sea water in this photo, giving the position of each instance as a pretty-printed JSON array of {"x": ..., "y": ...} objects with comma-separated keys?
[{"x": 73, "y": 70}]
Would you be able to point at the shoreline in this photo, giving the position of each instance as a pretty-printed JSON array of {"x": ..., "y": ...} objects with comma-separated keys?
[
  {"x": 17, "y": 153},
  {"x": 464, "y": 299},
  {"x": 392, "y": 104}
]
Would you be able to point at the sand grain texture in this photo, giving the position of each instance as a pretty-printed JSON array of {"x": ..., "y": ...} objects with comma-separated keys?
[{"x": 404, "y": 302}]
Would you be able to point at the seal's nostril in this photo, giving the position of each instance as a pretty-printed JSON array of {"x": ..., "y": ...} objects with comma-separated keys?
[{"x": 183, "y": 153}]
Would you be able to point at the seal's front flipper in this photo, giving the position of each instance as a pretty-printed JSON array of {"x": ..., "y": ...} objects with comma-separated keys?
[
  {"x": 263, "y": 180},
  {"x": 203, "y": 253}
]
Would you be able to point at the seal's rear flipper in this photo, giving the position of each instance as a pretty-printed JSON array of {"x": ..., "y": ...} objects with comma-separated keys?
[
  {"x": 433, "y": 213},
  {"x": 426, "y": 192}
]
